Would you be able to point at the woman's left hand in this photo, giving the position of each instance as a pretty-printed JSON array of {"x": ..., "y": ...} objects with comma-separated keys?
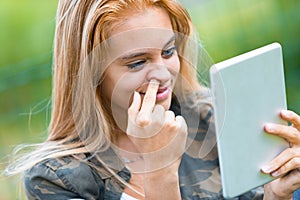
[{"x": 287, "y": 164}]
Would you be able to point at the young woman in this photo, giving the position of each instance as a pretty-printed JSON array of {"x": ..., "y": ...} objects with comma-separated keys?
[{"x": 129, "y": 118}]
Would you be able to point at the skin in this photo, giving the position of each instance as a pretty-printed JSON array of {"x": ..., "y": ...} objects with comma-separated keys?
[
  {"x": 133, "y": 64},
  {"x": 152, "y": 128},
  {"x": 173, "y": 130},
  {"x": 286, "y": 165}
]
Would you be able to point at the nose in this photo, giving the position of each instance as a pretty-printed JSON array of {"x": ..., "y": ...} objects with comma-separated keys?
[{"x": 159, "y": 72}]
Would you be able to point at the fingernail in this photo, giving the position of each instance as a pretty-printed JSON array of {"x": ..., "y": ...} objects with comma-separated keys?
[
  {"x": 266, "y": 169},
  {"x": 269, "y": 127},
  {"x": 154, "y": 81},
  {"x": 136, "y": 96},
  {"x": 275, "y": 174},
  {"x": 285, "y": 113}
]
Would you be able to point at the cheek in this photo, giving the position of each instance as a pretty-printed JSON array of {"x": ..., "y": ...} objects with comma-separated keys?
[
  {"x": 124, "y": 87},
  {"x": 177, "y": 65},
  {"x": 129, "y": 82}
]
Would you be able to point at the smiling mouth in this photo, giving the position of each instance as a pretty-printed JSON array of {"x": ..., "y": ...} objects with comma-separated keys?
[{"x": 160, "y": 90}]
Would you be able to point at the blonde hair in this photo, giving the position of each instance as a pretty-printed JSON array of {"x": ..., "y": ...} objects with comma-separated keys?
[{"x": 79, "y": 122}]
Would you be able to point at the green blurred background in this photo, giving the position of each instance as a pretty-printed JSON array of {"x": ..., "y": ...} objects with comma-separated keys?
[{"x": 227, "y": 28}]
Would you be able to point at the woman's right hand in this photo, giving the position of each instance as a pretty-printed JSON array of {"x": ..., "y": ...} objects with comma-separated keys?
[
  {"x": 157, "y": 134},
  {"x": 160, "y": 139}
]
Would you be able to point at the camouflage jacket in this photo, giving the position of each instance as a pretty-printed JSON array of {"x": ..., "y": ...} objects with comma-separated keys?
[{"x": 199, "y": 175}]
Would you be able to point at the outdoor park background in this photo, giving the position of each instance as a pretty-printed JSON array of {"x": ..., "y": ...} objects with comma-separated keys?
[{"x": 227, "y": 28}]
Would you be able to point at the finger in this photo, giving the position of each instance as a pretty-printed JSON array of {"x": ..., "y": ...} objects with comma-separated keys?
[
  {"x": 292, "y": 164},
  {"x": 281, "y": 160},
  {"x": 150, "y": 97},
  {"x": 144, "y": 116},
  {"x": 292, "y": 179},
  {"x": 169, "y": 119},
  {"x": 181, "y": 123},
  {"x": 158, "y": 115},
  {"x": 135, "y": 106},
  {"x": 291, "y": 117},
  {"x": 289, "y": 133},
  {"x": 181, "y": 134},
  {"x": 288, "y": 183}
]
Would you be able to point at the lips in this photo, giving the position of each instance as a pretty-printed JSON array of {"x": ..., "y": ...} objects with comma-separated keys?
[
  {"x": 160, "y": 90},
  {"x": 162, "y": 94}
]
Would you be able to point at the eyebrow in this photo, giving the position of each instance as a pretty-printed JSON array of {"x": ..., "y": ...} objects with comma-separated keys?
[
  {"x": 173, "y": 38},
  {"x": 138, "y": 54}
]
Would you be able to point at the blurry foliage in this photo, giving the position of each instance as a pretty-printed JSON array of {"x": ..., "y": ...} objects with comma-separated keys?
[
  {"x": 230, "y": 28},
  {"x": 226, "y": 28},
  {"x": 26, "y": 37}
]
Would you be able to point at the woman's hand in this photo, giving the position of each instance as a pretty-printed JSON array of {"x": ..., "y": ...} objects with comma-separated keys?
[
  {"x": 160, "y": 139},
  {"x": 287, "y": 164},
  {"x": 157, "y": 134}
]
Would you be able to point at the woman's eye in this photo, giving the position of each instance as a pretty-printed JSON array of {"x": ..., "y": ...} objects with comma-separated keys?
[
  {"x": 169, "y": 52},
  {"x": 136, "y": 65}
]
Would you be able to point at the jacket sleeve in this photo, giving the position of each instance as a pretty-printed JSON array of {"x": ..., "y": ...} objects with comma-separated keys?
[{"x": 53, "y": 180}]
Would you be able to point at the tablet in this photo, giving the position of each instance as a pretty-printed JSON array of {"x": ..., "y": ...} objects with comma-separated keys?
[{"x": 248, "y": 91}]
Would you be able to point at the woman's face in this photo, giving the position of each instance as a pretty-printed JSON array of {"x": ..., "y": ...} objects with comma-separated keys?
[{"x": 141, "y": 48}]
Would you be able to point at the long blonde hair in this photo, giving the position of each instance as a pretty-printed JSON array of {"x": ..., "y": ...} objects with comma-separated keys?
[{"x": 79, "y": 121}]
